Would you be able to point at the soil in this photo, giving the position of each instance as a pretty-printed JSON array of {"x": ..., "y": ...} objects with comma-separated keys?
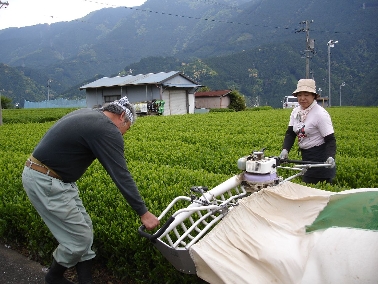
[{"x": 16, "y": 267}]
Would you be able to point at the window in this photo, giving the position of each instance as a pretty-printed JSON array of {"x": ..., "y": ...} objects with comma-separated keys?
[{"x": 109, "y": 99}]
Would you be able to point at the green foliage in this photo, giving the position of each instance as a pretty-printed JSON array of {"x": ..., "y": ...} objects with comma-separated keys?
[
  {"x": 166, "y": 156},
  {"x": 18, "y": 87},
  {"x": 258, "y": 108},
  {"x": 34, "y": 115},
  {"x": 204, "y": 89},
  {"x": 5, "y": 102},
  {"x": 237, "y": 101},
  {"x": 198, "y": 70},
  {"x": 221, "y": 110}
]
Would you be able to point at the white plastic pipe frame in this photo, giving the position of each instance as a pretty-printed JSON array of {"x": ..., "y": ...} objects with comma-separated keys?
[{"x": 182, "y": 214}]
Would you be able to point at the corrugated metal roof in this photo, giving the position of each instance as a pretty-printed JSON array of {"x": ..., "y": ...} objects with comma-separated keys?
[
  {"x": 218, "y": 93},
  {"x": 140, "y": 79},
  {"x": 182, "y": 85}
]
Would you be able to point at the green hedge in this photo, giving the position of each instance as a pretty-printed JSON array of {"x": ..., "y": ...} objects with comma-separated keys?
[
  {"x": 167, "y": 155},
  {"x": 259, "y": 108},
  {"x": 221, "y": 110},
  {"x": 34, "y": 115}
]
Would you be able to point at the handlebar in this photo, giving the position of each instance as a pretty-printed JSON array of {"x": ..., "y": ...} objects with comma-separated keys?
[
  {"x": 153, "y": 237},
  {"x": 282, "y": 161}
]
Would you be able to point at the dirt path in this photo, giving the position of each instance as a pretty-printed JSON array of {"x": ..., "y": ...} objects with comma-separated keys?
[{"x": 16, "y": 268}]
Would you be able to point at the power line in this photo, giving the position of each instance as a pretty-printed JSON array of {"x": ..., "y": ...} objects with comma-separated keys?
[
  {"x": 3, "y": 4},
  {"x": 210, "y": 2},
  {"x": 220, "y": 21}
]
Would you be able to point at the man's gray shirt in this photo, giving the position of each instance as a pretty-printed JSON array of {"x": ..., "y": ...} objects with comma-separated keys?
[{"x": 71, "y": 145}]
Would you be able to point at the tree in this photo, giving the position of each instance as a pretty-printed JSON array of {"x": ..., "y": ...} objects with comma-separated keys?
[
  {"x": 237, "y": 101},
  {"x": 204, "y": 89},
  {"x": 5, "y": 102}
]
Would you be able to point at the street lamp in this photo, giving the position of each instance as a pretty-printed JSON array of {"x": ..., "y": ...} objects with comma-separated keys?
[
  {"x": 48, "y": 88},
  {"x": 1, "y": 109},
  {"x": 330, "y": 44},
  {"x": 342, "y": 85}
]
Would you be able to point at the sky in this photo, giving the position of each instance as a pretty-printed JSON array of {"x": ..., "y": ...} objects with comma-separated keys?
[{"x": 22, "y": 13}]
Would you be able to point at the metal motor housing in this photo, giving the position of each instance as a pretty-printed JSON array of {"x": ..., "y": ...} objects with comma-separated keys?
[{"x": 259, "y": 171}]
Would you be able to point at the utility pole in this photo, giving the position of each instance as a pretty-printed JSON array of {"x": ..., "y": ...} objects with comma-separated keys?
[
  {"x": 310, "y": 45},
  {"x": 330, "y": 44},
  {"x": 1, "y": 108},
  {"x": 48, "y": 89},
  {"x": 342, "y": 85}
]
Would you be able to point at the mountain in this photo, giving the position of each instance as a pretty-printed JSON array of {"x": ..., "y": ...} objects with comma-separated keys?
[
  {"x": 17, "y": 86},
  {"x": 254, "y": 46}
]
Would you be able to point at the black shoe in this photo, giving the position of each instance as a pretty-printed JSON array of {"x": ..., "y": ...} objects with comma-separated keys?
[
  {"x": 84, "y": 271},
  {"x": 55, "y": 274}
]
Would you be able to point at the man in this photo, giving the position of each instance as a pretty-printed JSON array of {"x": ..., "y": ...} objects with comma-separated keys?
[{"x": 59, "y": 160}]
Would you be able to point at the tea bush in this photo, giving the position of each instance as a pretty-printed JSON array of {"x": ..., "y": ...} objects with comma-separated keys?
[{"x": 166, "y": 155}]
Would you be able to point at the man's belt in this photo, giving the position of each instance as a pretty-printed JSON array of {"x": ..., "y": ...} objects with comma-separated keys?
[{"x": 36, "y": 165}]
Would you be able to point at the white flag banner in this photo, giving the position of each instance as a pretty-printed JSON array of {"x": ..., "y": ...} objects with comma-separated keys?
[{"x": 291, "y": 234}]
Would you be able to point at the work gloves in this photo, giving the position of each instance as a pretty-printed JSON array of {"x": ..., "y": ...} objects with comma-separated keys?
[
  {"x": 284, "y": 154},
  {"x": 331, "y": 161}
]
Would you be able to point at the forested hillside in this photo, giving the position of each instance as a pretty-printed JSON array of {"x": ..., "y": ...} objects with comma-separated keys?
[{"x": 254, "y": 46}]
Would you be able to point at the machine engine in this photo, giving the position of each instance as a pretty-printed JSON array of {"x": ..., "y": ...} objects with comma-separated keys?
[{"x": 258, "y": 171}]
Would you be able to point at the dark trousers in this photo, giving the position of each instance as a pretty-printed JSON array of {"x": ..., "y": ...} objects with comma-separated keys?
[{"x": 315, "y": 180}]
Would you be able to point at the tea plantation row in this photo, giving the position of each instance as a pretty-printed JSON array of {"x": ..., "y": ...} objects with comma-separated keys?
[{"x": 166, "y": 155}]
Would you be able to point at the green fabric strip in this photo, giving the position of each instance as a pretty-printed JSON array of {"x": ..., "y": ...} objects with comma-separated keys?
[{"x": 354, "y": 210}]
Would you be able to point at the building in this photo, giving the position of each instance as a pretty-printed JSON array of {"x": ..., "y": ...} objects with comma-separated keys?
[
  {"x": 212, "y": 99},
  {"x": 323, "y": 101},
  {"x": 292, "y": 102},
  {"x": 153, "y": 93}
]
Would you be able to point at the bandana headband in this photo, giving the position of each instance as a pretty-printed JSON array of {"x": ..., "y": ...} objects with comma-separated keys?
[{"x": 122, "y": 103}]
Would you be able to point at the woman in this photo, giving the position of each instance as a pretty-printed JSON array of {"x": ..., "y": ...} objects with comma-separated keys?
[{"x": 312, "y": 125}]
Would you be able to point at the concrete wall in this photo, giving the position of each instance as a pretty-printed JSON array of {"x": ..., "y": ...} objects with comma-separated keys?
[{"x": 212, "y": 102}]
